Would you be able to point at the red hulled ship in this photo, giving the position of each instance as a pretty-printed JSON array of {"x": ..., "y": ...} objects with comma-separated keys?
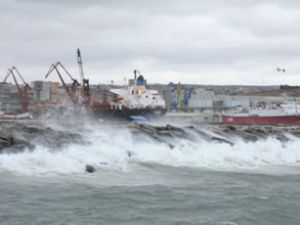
[{"x": 279, "y": 115}]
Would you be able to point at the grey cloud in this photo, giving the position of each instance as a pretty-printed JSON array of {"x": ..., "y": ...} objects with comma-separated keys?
[{"x": 180, "y": 38}]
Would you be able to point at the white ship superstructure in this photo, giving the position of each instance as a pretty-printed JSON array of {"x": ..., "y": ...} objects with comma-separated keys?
[{"x": 137, "y": 97}]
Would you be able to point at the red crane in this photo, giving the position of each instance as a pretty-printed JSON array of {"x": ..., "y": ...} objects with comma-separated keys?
[
  {"x": 85, "y": 88},
  {"x": 23, "y": 93},
  {"x": 75, "y": 83}
]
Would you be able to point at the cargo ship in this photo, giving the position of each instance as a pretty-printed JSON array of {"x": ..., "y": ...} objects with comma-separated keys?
[
  {"x": 283, "y": 114},
  {"x": 132, "y": 100}
]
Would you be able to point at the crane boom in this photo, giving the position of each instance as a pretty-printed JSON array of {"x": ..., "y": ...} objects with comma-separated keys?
[
  {"x": 17, "y": 84},
  {"x": 72, "y": 92},
  {"x": 84, "y": 96},
  {"x": 79, "y": 60},
  {"x": 85, "y": 87},
  {"x": 64, "y": 69},
  {"x": 19, "y": 74},
  {"x": 24, "y": 94}
]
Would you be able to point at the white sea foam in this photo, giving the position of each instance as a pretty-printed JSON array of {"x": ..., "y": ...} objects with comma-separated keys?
[{"x": 118, "y": 149}]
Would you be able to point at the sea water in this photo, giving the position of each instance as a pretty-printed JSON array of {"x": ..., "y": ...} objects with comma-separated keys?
[{"x": 141, "y": 181}]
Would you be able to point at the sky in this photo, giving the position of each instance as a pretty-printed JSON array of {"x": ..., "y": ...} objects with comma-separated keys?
[{"x": 218, "y": 42}]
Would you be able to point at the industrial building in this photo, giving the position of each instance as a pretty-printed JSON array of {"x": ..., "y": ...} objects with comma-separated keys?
[
  {"x": 207, "y": 101},
  {"x": 42, "y": 90}
]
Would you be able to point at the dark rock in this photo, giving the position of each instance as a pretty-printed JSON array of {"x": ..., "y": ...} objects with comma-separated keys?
[
  {"x": 18, "y": 136},
  {"x": 232, "y": 128}
]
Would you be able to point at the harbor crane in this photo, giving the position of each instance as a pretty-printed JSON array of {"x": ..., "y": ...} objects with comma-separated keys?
[
  {"x": 75, "y": 83},
  {"x": 14, "y": 72},
  {"x": 84, "y": 97},
  {"x": 85, "y": 87}
]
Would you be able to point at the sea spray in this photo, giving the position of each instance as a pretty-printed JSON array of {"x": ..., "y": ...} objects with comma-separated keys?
[{"x": 117, "y": 148}]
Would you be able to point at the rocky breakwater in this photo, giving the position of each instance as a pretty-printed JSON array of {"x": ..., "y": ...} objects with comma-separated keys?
[
  {"x": 16, "y": 137},
  {"x": 215, "y": 133}
]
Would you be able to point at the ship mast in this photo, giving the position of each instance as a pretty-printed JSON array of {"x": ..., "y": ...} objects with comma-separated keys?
[{"x": 135, "y": 76}]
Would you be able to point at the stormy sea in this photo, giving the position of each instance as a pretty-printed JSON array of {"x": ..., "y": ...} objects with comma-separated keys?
[{"x": 166, "y": 174}]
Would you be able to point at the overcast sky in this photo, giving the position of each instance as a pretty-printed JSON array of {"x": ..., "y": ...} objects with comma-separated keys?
[{"x": 191, "y": 41}]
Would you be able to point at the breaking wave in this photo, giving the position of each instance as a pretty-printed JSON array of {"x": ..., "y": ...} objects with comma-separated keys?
[{"x": 118, "y": 149}]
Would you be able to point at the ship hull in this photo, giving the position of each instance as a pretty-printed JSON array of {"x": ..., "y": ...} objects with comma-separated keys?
[
  {"x": 127, "y": 113},
  {"x": 261, "y": 120}
]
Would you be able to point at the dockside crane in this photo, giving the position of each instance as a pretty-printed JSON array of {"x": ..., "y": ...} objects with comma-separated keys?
[
  {"x": 23, "y": 93},
  {"x": 75, "y": 83},
  {"x": 85, "y": 87}
]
